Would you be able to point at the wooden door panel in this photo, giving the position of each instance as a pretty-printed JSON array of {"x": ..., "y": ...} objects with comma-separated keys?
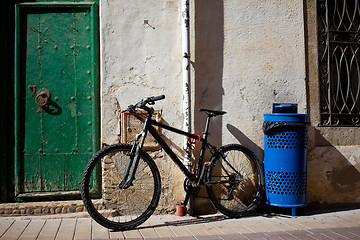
[{"x": 56, "y": 53}]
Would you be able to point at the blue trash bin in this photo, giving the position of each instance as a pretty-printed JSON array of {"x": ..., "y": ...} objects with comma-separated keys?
[{"x": 285, "y": 150}]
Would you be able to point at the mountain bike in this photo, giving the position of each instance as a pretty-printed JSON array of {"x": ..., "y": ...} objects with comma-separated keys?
[{"x": 130, "y": 188}]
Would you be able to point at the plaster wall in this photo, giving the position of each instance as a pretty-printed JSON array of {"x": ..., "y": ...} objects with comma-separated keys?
[
  {"x": 245, "y": 55},
  {"x": 263, "y": 63},
  {"x": 141, "y": 57}
]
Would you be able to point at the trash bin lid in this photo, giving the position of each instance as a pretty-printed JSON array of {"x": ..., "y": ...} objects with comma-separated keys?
[{"x": 285, "y": 108}]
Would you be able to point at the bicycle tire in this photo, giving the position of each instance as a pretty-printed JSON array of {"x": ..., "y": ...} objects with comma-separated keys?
[
  {"x": 244, "y": 194},
  {"x": 110, "y": 206}
]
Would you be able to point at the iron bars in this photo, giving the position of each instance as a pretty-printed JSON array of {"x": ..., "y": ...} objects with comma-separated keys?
[{"x": 339, "y": 62}]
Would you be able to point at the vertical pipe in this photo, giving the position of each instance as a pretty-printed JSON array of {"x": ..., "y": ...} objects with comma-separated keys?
[
  {"x": 186, "y": 74},
  {"x": 185, "y": 29}
]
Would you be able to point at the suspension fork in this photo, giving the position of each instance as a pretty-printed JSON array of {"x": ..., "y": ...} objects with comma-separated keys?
[{"x": 134, "y": 158}]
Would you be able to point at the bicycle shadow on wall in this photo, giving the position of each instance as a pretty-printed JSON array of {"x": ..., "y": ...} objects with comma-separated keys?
[
  {"x": 245, "y": 141},
  {"x": 208, "y": 66}
]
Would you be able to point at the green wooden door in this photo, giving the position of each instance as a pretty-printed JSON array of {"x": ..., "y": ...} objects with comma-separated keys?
[{"x": 56, "y": 96}]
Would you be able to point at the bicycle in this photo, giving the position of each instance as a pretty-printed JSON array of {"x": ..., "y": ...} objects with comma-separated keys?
[{"x": 131, "y": 181}]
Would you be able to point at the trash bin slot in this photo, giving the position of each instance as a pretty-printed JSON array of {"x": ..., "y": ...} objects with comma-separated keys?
[
  {"x": 271, "y": 125},
  {"x": 285, "y": 108}
]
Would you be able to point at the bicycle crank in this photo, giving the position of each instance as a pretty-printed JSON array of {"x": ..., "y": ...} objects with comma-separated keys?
[{"x": 190, "y": 187}]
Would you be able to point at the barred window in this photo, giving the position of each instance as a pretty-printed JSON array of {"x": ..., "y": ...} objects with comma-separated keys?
[{"x": 339, "y": 62}]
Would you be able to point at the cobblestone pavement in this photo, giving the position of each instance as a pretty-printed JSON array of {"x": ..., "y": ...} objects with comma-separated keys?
[{"x": 330, "y": 224}]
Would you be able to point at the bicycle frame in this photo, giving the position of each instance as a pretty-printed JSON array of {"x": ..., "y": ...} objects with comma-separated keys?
[
  {"x": 199, "y": 176},
  {"x": 196, "y": 178}
]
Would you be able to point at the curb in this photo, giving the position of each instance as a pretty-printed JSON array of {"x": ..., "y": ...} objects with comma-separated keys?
[{"x": 41, "y": 208}]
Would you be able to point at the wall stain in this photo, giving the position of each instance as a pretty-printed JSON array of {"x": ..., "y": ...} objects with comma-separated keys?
[{"x": 344, "y": 179}]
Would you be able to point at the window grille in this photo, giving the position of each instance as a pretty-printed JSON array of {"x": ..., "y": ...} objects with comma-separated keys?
[{"x": 339, "y": 62}]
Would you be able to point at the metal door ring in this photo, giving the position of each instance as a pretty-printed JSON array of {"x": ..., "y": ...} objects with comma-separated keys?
[{"x": 42, "y": 98}]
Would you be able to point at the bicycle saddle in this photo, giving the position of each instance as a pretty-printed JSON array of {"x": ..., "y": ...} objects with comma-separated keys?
[{"x": 212, "y": 113}]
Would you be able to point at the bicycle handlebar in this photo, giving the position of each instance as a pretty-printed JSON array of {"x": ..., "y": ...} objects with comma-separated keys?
[
  {"x": 152, "y": 100},
  {"x": 143, "y": 102}
]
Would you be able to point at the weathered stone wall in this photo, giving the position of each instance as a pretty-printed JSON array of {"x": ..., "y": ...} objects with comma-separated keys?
[
  {"x": 245, "y": 55},
  {"x": 141, "y": 57},
  {"x": 333, "y": 159}
]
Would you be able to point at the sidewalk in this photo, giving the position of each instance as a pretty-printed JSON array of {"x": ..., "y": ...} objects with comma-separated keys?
[{"x": 341, "y": 224}]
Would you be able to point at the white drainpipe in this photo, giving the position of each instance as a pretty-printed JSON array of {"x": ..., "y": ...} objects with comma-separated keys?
[
  {"x": 186, "y": 82},
  {"x": 186, "y": 74}
]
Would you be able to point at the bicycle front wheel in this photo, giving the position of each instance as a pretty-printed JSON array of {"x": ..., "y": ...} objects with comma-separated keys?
[
  {"x": 235, "y": 181},
  {"x": 110, "y": 205}
]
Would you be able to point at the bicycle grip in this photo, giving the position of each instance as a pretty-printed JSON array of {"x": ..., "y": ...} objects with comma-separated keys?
[{"x": 157, "y": 98}]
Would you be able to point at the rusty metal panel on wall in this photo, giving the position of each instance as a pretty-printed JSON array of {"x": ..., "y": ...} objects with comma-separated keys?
[
  {"x": 56, "y": 95},
  {"x": 132, "y": 125}
]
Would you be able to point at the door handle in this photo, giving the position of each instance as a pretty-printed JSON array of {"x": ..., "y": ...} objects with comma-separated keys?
[{"x": 42, "y": 99}]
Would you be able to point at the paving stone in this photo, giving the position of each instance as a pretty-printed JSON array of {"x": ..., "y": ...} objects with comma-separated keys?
[
  {"x": 5, "y": 224},
  {"x": 183, "y": 238},
  {"x": 328, "y": 233},
  {"x": 345, "y": 232},
  {"x": 83, "y": 228},
  {"x": 255, "y": 236},
  {"x": 319, "y": 226},
  {"x": 98, "y": 231},
  {"x": 279, "y": 235},
  {"x": 208, "y": 237},
  {"x": 14, "y": 231},
  {"x": 355, "y": 231},
  {"x": 234, "y": 236},
  {"x": 66, "y": 229},
  {"x": 32, "y": 230},
  {"x": 300, "y": 234},
  {"x": 49, "y": 229}
]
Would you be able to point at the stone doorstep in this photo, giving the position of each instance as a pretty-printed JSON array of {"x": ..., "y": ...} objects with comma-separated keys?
[{"x": 41, "y": 208}]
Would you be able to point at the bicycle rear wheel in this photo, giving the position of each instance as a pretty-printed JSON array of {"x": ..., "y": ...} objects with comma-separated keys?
[
  {"x": 110, "y": 206},
  {"x": 235, "y": 182}
]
